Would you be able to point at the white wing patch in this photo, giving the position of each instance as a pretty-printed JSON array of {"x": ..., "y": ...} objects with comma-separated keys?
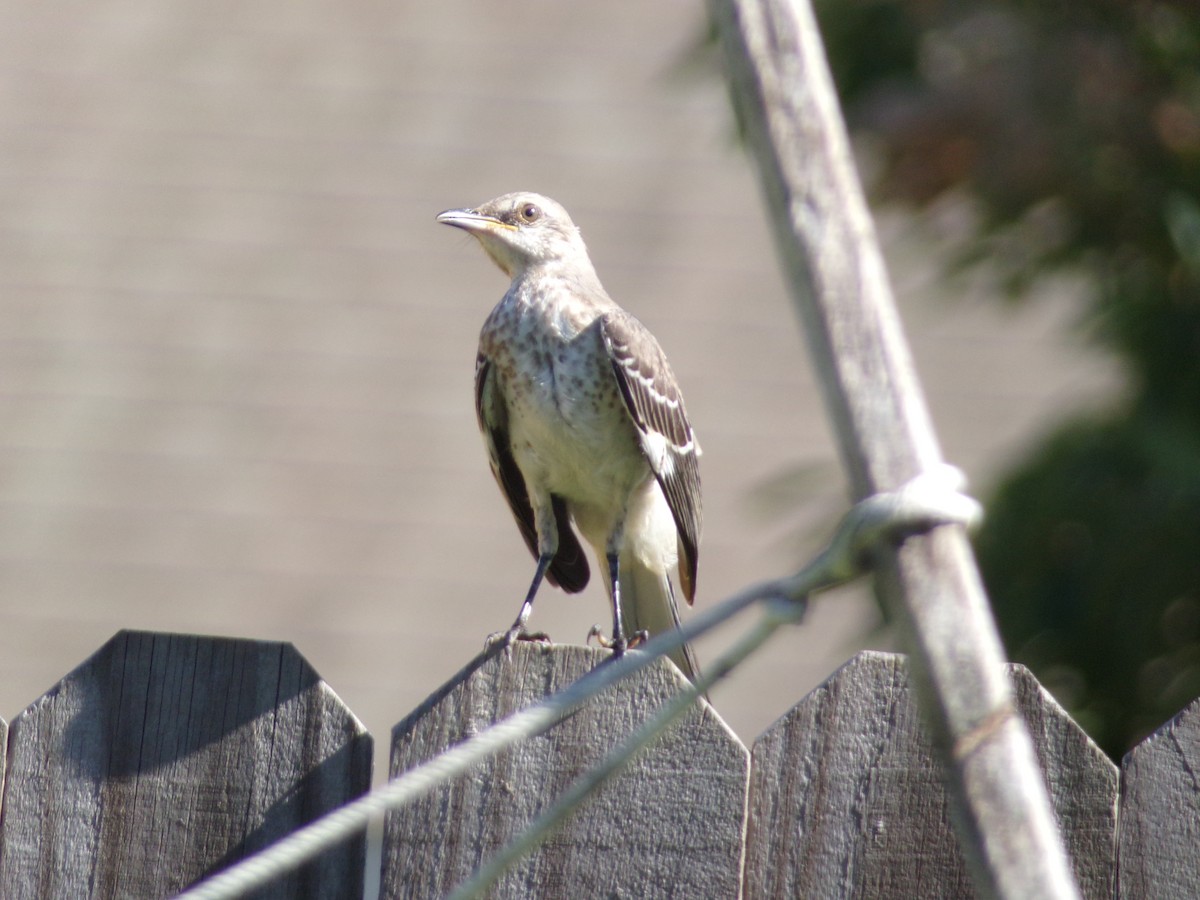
[{"x": 658, "y": 448}]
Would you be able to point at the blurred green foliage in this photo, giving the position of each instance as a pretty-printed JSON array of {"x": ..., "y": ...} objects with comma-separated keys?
[{"x": 1074, "y": 128}]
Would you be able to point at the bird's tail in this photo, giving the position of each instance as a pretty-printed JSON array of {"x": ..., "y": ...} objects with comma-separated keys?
[{"x": 648, "y": 604}]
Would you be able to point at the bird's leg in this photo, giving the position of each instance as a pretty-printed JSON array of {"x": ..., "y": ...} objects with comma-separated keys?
[
  {"x": 619, "y": 643},
  {"x": 517, "y": 631},
  {"x": 547, "y": 529}
]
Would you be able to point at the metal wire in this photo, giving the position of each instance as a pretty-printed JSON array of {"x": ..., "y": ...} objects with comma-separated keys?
[{"x": 927, "y": 501}]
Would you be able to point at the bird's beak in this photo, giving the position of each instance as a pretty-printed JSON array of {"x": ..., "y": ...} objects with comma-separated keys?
[{"x": 472, "y": 221}]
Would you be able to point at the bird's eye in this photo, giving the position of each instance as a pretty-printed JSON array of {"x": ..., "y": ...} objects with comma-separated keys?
[{"x": 530, "y": 212}]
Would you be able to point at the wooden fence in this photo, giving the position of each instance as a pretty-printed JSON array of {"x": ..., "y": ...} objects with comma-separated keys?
[{"x": 164, "y": 758}]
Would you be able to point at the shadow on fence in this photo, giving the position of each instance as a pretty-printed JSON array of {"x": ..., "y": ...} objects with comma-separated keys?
[{"x": 164, "y": 758}]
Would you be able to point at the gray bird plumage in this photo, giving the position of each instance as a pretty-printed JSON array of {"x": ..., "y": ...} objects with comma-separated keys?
[{"x": 583, "y": 422}]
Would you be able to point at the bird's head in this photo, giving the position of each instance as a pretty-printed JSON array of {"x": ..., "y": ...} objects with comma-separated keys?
[{"x": 521, "y": 230}]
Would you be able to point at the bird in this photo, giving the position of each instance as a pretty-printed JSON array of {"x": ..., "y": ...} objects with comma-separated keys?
[{"x": 584, "y": 425}]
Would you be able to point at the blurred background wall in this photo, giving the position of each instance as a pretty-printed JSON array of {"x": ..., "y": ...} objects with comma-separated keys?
[{"x": 236, "y": 351}]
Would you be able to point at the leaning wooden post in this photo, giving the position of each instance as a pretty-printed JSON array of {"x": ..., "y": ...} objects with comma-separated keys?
[{"x": 783, "y": 93}]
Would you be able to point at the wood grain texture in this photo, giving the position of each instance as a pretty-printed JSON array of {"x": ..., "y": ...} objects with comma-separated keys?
[
  {"x": 1159, "y": 845},
  {"x": 848, "y": 800},
  {"x": 164, "y": 758},
  {"x": 671, "y": 824}
]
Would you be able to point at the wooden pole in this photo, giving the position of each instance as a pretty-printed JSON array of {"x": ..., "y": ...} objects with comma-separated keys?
[{"x": 784, "y": 96}]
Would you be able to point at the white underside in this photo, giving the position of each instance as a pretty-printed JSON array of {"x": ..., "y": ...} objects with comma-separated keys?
[{"x": 573, "y": 438}]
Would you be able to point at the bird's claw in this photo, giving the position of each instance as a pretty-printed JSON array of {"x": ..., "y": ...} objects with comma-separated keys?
[
  {"x": 596, "y": 632},
  {"x": 638, "y": 638}
]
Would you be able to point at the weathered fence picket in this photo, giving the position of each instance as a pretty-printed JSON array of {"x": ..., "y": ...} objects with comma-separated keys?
[
  {"x": 164, "y": 758},
  {"x": 671, "y": 824},
  {"x": 1158, "y": 853},
  {"x": 847, "y": 798}
]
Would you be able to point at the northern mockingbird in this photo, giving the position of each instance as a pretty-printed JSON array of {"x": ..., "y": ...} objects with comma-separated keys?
[{"x": 584, "y": 422}]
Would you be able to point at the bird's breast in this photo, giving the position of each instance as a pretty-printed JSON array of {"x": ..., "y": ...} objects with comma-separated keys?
[{"x": 568, "y": 423}]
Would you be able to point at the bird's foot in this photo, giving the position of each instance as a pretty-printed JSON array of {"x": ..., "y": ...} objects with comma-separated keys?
[
  {"x": 506, "y": 639},
  {"x": 617, "y": 646}
]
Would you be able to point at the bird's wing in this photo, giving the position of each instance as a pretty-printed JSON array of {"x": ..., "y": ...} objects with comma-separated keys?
[
  {"x": 570, "y": 567},
  {"x": 655, "y": 404}
]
